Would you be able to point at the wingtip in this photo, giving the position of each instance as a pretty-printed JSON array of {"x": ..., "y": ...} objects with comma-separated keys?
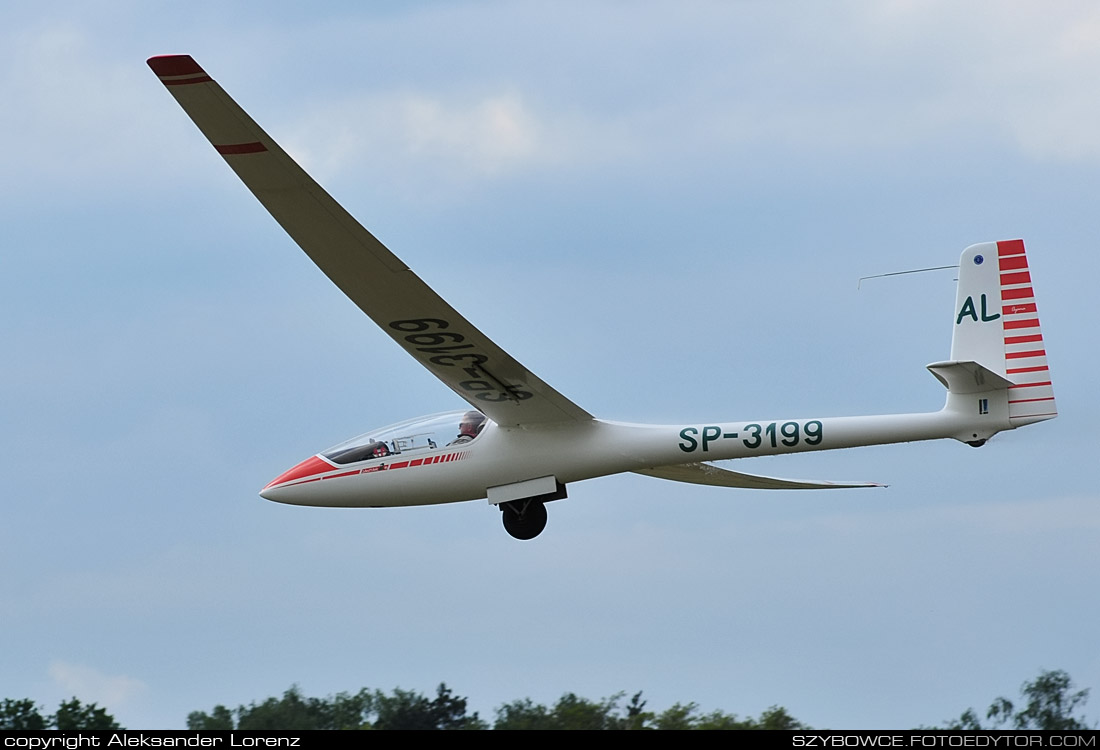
[{"x": 174, "y": 65}]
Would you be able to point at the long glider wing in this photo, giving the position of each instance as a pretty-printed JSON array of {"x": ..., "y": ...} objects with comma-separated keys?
[
  {"x": 704, "y": 473},
  {"x": 365, "y": 270}
]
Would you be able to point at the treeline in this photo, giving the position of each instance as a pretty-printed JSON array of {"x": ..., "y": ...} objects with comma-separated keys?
[
  {"x": 1048, "y": 702},
  {"x": 407, "y": 709},
  {"x": 71, "y": 715}
]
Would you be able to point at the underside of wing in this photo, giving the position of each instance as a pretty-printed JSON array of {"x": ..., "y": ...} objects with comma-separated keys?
[
  {"x": 365, "y": 270},
  {"x": 704, "y": 473}
]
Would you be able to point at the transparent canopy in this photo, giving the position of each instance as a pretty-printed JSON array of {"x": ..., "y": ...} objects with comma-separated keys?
[{"x": 412, "y": 436}]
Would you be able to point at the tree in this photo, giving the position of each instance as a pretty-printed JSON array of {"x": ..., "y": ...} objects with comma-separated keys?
[
  {"x": 367, "y": 709},
  {"x": 683, "y": 716},
  {"x": 573, "y": 712},
  {"x": 20, "y": 715},
  {"x": 220, "y": 718},
  {"x": 523, "y": 714},
  {"x": 407, "y": 709},
  {"x": 677, "y": 716},
  {"x": 636, "y": 715},
  {"x": 1051, "y": 703},
  {"x": 73, "y": 715},
  {"x": 292, "y": 711},
  {"x": 23, "y": 715},
  {"x": 777, "y": 717}
]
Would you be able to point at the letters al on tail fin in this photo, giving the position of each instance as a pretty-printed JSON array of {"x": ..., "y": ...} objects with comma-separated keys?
[{"x": 997, "y": 344}]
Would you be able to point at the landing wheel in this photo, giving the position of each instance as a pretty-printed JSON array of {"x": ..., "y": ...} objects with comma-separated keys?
[{"x": 524, "y": 519}]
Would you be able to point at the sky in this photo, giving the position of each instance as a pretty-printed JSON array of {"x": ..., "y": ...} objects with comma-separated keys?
[{"x": 662, "y": 210}]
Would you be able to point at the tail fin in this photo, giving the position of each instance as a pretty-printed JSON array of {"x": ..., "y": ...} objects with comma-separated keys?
[{"x": 997, "y": 354}]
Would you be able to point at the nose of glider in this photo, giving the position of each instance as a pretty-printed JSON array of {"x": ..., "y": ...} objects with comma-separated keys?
[{"x": 310, "y": 470}]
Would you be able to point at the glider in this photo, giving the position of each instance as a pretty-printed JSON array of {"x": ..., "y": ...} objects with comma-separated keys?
[{"x": 521, "y": 442}]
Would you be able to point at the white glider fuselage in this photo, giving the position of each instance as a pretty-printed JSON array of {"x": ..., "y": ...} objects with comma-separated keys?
[
  {"x": 523, "y": 442},
  {"x": 571, "y": 452}
]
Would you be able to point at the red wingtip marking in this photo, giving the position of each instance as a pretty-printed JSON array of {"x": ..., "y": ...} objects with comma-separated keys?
[
  {"x": 1010, "y": 247},
  {"x": 175, "y": 65},
  {"x": 241, "y": 148}
]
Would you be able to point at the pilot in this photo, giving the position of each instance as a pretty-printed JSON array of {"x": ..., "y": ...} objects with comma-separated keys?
[{"x": 469, "y": 428}]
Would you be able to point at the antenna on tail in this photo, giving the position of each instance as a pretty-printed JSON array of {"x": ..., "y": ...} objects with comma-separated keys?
[{"x": 902, "y": 273}]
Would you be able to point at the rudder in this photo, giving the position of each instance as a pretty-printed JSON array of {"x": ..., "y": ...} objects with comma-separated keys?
[{"x": 997, "y": 327}]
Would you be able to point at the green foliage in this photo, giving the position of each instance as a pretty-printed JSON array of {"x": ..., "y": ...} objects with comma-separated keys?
[
  {"x": 23, "y": 715},
  {"x": 777, "y": 717},
  {"x": 1050, "y": 704},
  {"x": 73, "y": 715},
  {"x": 367, "y": 709},
  {"x": 524, "y": 714},
  {"x": 295, "y": 711},
  {"x": 20, "y": 715},
  {"x": 407, "y": 709},
  {"x": 677, "y": 716},
  {"x": 685, "y": 716},
  {"x": 220, "y": 718},
  {"x": 573, "y": 712}
]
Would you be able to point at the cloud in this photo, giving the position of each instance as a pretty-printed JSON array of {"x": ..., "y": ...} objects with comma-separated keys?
[
  {"x": 76, "y": 119},
  {"x": 92, "y": 686},
  {"x": 487, "y": 136},
  {"x": 422, "y": 135}
]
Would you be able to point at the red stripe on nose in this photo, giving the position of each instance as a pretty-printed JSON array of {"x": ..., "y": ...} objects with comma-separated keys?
[{"x": 309, "y": 467}]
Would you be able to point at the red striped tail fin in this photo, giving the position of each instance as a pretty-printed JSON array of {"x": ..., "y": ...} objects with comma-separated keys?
[
  {"x": 1031, "y": 395},
  {"x": 997, "y": 327}
]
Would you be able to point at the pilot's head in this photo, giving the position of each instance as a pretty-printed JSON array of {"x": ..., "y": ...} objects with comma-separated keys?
[{"x": 471, "y": 424}]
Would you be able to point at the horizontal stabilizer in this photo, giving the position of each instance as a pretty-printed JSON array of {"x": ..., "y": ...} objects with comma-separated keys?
[
  {"x": 968, "y": 377},
  {"x": 704, "y": 473}
]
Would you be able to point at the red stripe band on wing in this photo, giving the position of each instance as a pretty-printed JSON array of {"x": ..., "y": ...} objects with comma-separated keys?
[
  {"x": 1026, "y": 307},
  {"x": 1024, "y": 355},
  {"x": 1020, "y": 277},
  {"x": 1027, "y": 369},
  {"x": 1013, "y": 263},
  {"x": 241, "y": 148},
  {"x": 1031, "y": 385},
  {"x": 1026, "y": 323},
  {"x": 1031, "y": 400}
]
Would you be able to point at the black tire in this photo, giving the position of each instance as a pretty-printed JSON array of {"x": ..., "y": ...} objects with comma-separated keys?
[{"x": 524, "y": 519}]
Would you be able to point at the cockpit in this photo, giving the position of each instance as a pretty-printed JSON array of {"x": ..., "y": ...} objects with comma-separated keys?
[{"x": 410, "y": 438}]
